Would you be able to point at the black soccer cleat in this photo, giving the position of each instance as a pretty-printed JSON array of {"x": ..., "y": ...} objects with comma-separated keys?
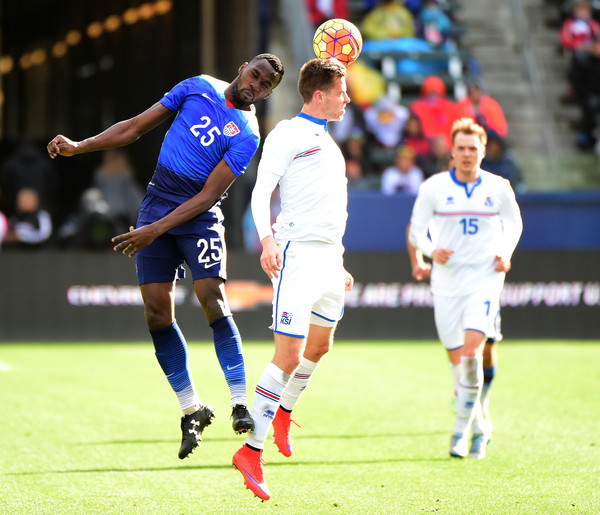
[
  {"x": 242, "y": 421},
  {"x": 191, "y": 429}
]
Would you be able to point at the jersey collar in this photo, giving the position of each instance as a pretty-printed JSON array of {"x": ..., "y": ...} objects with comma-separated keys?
[
  {"x": 318, "y": 121},
  {"x": 468, "y": 186}
]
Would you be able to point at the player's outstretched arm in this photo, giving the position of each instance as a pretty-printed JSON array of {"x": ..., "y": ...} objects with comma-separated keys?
[
  {"x": 118, "y": 135},
  {"x": 218, "y": 182}
]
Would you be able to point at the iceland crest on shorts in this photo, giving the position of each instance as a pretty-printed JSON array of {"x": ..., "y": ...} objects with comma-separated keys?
[{"x": 286, "y": 318}]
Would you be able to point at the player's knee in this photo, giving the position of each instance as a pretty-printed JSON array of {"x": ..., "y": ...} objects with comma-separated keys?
[
  {"x": 157, "y": 318},
  {"x": 290, "y": 363},
  {"x": 212, "y": 299},
  {"x": 317, "y": 351}
]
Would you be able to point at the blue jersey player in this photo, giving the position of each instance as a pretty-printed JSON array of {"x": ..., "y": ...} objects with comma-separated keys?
[{"x": 208, "y": 145}]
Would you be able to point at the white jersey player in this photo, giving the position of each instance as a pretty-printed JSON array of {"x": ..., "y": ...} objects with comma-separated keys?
[
  {"x": 302, "y": 254},
  {"x": 468, "y": 222}
]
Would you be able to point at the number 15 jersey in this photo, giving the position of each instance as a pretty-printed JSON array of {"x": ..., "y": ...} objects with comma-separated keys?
[{"x": 478, "y": 221}]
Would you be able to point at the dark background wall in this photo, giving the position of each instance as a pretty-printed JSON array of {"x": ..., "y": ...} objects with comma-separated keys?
[
  {"x": 113, "y": 76},
  {"x": 66, "y": 296}
]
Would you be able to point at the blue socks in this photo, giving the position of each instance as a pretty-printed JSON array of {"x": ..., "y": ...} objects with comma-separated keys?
[
  {"x": 228, "y": 346},
  {"x": 488, "y": 375},
  {"x": 171, "y": 353}
]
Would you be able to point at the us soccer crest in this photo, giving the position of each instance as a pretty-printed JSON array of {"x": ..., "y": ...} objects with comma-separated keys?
[{"x": 231, "y": 129}]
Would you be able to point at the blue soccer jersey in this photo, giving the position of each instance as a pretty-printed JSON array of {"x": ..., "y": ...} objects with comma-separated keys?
[{"x": 205, "y": 130}]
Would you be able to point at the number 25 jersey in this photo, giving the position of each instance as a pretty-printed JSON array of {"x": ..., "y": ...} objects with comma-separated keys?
[{"x": 206, "y": 129}]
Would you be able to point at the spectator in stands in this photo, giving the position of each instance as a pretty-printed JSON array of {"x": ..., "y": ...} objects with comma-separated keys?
[
  {"x": 355, "y": 173},
  {"x": 323, "y": 10},
  {"x": 30, "y": 225},
  {"x": 404, "y": 176},
  {"x": 385, "y": 120},
  {"x": 589, "y": 102},
  {"x": 365, "y": 86},
  {"x": 115, "y": 180},
  {"x": 438, "y": 160},
  {"x": 28, "y": 167},
  {"x": 92, "y": 225},
  {"x": 485, "y": 110},
  {"x": 388, "y": 20},
  {"x": 500, "y": 161},
  {"x": 436, "y": 112},
  {"x": 413, "y": 136},
  {"x": 576, "y": 35},
  {"x": 353, "y": 123},
  {"x": 354, "y": 150},
  {"x": 434, "y": 26}
]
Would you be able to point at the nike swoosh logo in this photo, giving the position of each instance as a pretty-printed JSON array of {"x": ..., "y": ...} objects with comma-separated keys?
[
  {"x": 205, "y": 95},
  {"x": 206, "y": 267},
  {"x": 234, "y": 366}
]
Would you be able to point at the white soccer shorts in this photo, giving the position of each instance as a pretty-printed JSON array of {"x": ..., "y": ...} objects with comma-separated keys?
[
  {"x": 310, "y": 288},
  {"x": 454, "y": 315}
]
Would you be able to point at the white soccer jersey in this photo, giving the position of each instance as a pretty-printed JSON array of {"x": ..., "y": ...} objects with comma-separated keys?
[
  {"x": 300, "y": 155},
  {"x": 478, "y": 221}
]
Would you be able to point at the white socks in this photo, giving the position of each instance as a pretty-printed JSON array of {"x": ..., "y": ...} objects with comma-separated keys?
[
  {"x": 469, "y": 389},
  {"x": 455, "y": 376},
  {"x": 267, "y": 397},
  {"x": 297, "y": 384}
]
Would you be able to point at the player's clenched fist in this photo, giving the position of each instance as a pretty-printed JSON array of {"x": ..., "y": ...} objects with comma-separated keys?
[{"x": 63, "y": 146}]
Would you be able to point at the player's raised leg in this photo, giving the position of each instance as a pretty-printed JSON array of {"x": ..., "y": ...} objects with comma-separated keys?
[
  {"x": 318, "y": 343},
  {"x": 228, "y": 347},
  {"x": 172, "y": 355},
  {"x": 267, "y": 397}
]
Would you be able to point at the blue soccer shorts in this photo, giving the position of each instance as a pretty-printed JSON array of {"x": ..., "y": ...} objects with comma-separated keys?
[{"x": 200, "y": 243}]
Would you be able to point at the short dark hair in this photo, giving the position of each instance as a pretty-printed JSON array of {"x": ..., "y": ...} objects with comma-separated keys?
[
  {"x": 318, "y": 74},
  {"x": 273, "y": 60}
]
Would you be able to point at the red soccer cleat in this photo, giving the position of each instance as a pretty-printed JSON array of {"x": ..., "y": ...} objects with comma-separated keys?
[
  {"x": 250, "y": 463},
  {"x": 281, "y": 428}
]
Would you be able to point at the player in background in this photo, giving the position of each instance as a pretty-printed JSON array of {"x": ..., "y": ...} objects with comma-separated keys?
[
  {"x": 302, "y": 255},
  {"x": 421, "y": 270},
  {"x": 468, "y": 222},
  {"x": 208, "y": 145}
]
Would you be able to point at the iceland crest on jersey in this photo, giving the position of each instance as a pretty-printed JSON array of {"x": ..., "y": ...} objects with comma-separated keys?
[
  {"x": 489, "y": 202},
  {"x": 231, "y": 129},
  {"x": 286, "y": 318}
]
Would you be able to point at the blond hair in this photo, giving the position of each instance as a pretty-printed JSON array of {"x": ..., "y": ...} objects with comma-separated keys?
[{"x": 468, "y": 126}]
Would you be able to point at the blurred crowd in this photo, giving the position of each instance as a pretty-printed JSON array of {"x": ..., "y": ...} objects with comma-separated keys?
[
  {"x": 28, "y": 193},
  {"x": 580, "y": 43},
  {"x": 391, "y": 143}
]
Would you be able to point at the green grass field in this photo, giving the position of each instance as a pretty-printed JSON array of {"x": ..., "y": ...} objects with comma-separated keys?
[{"x": 94, "y": 428}]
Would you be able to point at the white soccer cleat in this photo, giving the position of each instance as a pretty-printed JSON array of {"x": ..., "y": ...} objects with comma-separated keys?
[
  {"x": 479, "y": 444},
  {"x": 458, "y": 446}
]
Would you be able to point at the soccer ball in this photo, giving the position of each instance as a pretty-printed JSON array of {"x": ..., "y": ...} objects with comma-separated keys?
[{"x": 337, "y": 38}]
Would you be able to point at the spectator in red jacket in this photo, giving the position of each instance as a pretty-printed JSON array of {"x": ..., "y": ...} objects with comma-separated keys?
[
  {"x": 576, "y": 35},
  {"x": 483, "y": 109},
  {"x": 319, "y": 11},
  {"x": 436, "y": 112}
]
